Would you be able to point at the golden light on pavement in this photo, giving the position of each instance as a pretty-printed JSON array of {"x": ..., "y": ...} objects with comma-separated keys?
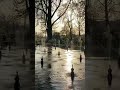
[{"x": 69, "y": 58}]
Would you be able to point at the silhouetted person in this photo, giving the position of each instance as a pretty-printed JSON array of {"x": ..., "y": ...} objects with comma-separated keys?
[
  {"x": 109, "y": 76},
  {"x": 59, "y": 53},
  {"x": 17, "y": 83},
  {"x": 42, "y": 62},
  {"x": 119, "y": 62},
  {"x": 49, "y": 65},
  {"x": 23, "y": 57},
  {"x": 80, "y": 58},
  {"x": 72, "y": 73}
]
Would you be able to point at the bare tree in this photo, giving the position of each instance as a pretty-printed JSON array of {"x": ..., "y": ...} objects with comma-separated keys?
[{"x": 47, "y": 10}]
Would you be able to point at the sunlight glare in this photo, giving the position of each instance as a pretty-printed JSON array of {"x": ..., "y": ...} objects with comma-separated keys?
[{"x": 69, "y": 59}]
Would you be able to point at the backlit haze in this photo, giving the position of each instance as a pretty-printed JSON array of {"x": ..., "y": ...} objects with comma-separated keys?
[{"x": 59, "y": 25}]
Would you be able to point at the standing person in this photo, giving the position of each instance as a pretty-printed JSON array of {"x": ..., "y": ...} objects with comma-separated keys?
[
  {"x": 58, "y": 53},
  {"x": 109, "y": 76},
  {"x": 80, "y": 58},
  {"x": 17, "y": 83},
  {"x": 42, "y": 62},
  {"x": 72, "y": 73}
]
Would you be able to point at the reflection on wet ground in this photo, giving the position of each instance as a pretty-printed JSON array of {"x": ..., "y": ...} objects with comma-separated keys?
[{"x": 55, "y": 74}]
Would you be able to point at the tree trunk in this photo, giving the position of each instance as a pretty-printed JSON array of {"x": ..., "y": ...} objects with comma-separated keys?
[
  {"x": 32, "y": 31},
  {"x": 106, "y": 12},
  {"x": 79, "y": 31},
  {"x": 70, "y": 34},
  {"x": 49, "y": 23},
  {"x": 107, "y": 29}
]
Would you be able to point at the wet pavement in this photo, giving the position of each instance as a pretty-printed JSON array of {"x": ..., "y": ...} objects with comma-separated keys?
[
  {"x": 11, "y": 62},
  {"x": 55, "y": 74},
  {"x": 96, "y": 70}
]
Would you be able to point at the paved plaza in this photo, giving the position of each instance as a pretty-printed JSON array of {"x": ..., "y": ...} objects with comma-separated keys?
[
  {"x": 11, "y": 62},
  {"x": 55, "y": 74}
]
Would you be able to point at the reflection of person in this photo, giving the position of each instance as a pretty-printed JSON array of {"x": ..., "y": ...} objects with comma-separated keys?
[
  {"x": 72, "y": 73},
  {"x": 42, "y": 62},
  {"x": 109, "y": 76},
  {"x": 17, "y": 83}
]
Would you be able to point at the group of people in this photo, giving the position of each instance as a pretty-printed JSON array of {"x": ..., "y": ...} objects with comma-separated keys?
[
  {"x": 109, "y": 76},
  {"x": 72, "y": 69}
]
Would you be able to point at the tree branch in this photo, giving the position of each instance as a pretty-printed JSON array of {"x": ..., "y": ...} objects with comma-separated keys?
[
  {"x": 62, "y": 13},
  {"x": 101, "y": 3},
  {"x": 45, "y": 4},
  {"x": 40, "y": 3},
  {"x": 112, "y": 7},
  {"x": 56, "y": 8}
]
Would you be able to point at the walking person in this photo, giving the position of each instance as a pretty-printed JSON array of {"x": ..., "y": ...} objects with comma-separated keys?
[
  {"x": 42, "y": 62},
  {"x": 17, "y": 83},
  {"x": 80, "y": 58},
  {"x": 72, "y": 74},
  {"x": 109, "y": 76}
]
